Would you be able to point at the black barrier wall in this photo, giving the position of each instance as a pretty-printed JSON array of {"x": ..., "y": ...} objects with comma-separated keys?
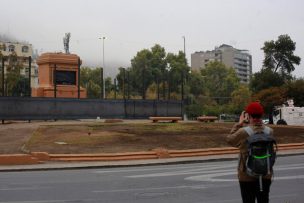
[{"x": 25, "y": 108}]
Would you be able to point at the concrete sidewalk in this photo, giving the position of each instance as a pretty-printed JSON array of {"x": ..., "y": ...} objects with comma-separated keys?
[{"x": 57, "y": 165}]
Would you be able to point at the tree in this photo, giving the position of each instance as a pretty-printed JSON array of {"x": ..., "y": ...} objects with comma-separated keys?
[
  {"x": 157, "y": 68},
  {"x": 279, "y": 55},
  {"x": 265, "y": 79},
  {"x": 13, "y": 76},
  {"x": 109, "y": 87},
  {"x": 145, "y": 65},
  {"x": 295, "y": 90},
  {"x": 220, "y": 80},
  {"x": 196, "y": 84},
  {"x": 271, "y": 97},
  {"x": 124, "y": 83},
  {"x": 178, "y": 72},
  {"x": 91, "y": 80},
  {"x": 240, "y": 98}
]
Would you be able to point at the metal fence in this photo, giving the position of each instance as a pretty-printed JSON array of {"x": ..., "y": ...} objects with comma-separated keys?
[{"x": 31, "y": 108}]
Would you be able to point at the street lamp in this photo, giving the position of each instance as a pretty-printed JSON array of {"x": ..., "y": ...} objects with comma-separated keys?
[
  {"x": 103, "y": 66},
  {"x": 168, "y": 68},
  {"x": 184, "y": 45},
  {"x": 185, "y": 67}
]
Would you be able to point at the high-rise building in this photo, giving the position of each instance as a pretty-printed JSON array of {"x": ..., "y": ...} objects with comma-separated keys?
[
  {"x": 240, "y": 60},
  {"x": 23, "y": 51}
]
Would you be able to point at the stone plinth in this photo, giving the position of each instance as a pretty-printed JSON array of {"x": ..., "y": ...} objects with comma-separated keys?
[{"x": 66, "y": 76}]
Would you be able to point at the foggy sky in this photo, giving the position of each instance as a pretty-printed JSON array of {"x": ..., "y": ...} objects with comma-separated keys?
[{"x": 133, "y": 25}]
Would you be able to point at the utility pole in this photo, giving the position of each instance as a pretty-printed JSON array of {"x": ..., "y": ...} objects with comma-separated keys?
[
  {"x": 101, "y": 84},
  {"x": 103, "y": 91},
  {"x": 184, "y": 46},
  {"x": 30, "y": 73},
  {"x": 183, "y": 77}
]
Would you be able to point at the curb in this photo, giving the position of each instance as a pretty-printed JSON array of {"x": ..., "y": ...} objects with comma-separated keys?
[
  {"x": 53, "y": 166},
  {"x": 160, "y": 153}
]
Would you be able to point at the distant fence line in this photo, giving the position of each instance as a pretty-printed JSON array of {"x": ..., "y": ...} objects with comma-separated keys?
[{"x": 33, "y": 108}]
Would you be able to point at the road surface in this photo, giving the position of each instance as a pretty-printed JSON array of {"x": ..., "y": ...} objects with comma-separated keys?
[{"x": 209, "y": 182}]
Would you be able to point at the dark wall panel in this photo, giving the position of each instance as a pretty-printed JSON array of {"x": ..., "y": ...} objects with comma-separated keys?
[{"x": 22, "y": 108}]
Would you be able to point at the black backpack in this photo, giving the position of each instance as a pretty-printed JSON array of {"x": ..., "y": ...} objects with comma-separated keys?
[{"x": 261, "y": 157}]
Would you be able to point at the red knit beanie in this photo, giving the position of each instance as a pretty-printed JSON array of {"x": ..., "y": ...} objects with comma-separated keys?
[{"x": 255, "y": 108}]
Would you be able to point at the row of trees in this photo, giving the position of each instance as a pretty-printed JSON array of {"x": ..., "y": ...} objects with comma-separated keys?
[{"x": 155, "y": 74}]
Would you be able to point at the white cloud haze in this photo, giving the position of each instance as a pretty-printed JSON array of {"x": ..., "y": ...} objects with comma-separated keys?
[{"x": 133, "y": 25}]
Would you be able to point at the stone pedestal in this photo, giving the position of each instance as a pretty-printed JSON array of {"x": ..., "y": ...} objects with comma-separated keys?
[{"x": 65, "y": 76}]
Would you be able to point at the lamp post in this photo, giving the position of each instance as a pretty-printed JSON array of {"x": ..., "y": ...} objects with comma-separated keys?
[
  {"x": 103, "y": 66},
  {"x": 183, "y": 111},
  {"x": 168, "y": 79},
  {"x": 30, "y": 77},
  {"x": 184, "y": 46}
]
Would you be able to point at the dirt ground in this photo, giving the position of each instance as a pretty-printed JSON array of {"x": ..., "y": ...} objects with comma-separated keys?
[{"x": 100, "y": 137}]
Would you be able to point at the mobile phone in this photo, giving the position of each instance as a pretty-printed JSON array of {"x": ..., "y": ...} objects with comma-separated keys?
[{"x": 246, "y": 117}]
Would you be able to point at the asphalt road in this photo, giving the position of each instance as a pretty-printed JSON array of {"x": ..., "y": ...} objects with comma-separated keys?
[{"x": 209, "y": 182}]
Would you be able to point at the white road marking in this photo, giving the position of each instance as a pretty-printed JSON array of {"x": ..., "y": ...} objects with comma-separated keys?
[
  {"x": 37, "y": 201},
  {"x": 178, "y": 173},
  {"x": 52, "y": 201},
  {"x": 23, "y": 188},
  {"x": 213, "y": 173},
  {"x": 280, "y": 196},
  {"x": 153, "y": 188},
  {"x": 199, "y": 167}
]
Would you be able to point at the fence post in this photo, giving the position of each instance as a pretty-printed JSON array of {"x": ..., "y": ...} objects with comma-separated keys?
[
  {"x": 115, "y": 88},
  {"x": 55, "y": 82},
  {"x": 125, "y": 107},
  {"x": 78, "y": 85},
  {"x": 155, "y": 108},
  {"x": 3, "y": 91},
  {"x": 30, "y": 77}
]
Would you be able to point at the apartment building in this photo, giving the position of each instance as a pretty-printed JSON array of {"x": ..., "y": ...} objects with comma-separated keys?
[
  {"x": 240, "y": 60},
  {"x": 23, "y": 52}
]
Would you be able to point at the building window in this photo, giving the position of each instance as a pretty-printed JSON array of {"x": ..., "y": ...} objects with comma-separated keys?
[
  {"x": 26, "y": 71},
  {"x": 25, "y": 49},
  {"x": 11, "y": 48},
  {"x": 2, "y": 47}
]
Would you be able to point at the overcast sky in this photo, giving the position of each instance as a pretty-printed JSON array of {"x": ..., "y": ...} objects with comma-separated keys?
[{"x": 133, "y": 25}]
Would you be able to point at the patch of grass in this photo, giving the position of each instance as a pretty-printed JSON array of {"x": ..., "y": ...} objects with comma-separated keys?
[{"x": 35, "y": 138}]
